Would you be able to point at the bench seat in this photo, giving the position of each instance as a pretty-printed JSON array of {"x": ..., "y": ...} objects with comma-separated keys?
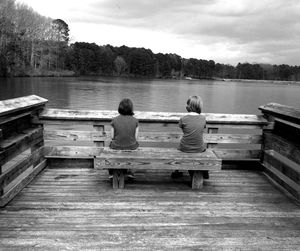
[{"x": 156, "y": 159}]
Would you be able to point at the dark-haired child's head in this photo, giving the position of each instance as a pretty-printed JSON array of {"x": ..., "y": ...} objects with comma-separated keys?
[
  {"x": 194, "y": 104},
  {"x": 126, "y": 107}
]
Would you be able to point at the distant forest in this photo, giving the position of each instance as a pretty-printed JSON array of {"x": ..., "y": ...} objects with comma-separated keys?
[{"x": 33, "y": 45}]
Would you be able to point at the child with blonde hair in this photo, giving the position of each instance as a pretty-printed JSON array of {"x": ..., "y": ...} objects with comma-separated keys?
[{"x": 193, "y": 125}]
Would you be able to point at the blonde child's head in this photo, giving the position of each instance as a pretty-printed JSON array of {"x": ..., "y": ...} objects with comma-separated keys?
[{"x": 194, "y": 104}]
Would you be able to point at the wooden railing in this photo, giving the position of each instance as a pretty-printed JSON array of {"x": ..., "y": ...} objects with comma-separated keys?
[
  {"x": 21, "y": 144},
  {"x": 74, "y": 137},
  {"x": 233, "y": 137},
  {"x": 281, "y": 148}
]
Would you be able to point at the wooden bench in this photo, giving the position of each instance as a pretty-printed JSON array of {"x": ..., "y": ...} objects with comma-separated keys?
[
  {"x": 75, "y": 137},
  {"x": 157, "y": 159}
]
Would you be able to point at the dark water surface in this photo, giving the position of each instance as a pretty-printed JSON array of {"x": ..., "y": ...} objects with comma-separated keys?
[{"x": 152, "y": 95}]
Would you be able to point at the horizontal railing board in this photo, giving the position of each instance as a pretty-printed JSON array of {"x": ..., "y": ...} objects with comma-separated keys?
[
  {"x": 150, "y": 137},
  {"x": 13, "y": 191},
  {"x": 238, "y": 154},
  {"x": 291, "y": 186},
  {"x": 105, "y": 115},
  {"x": 17, "y": 145},
  {"x": 27, "y": 135},
  {"x": 285, "y": 147},
  {"x": 146, "y": 126},
  {"x": 283, "y": 164},
  {"x": 282, "y": 111},
  {"x": 8, "y": 119},
  {"x": 15, "y": 124},
  {"x": 287, "y": 123},
  {"x": 20, "y": 167},
  {"x": 19, "y": 104}
]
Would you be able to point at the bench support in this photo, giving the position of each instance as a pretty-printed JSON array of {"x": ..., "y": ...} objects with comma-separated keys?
[
  {"x": 197, "y": 180},
  {"x": 118, "y": 178}
]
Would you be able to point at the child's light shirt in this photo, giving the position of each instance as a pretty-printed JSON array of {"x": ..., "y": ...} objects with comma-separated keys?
[{"x": 192, "y": 126}]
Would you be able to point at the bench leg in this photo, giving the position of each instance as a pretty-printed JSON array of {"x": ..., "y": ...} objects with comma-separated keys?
[
  {"x": 118, "y": 179},
  {"x": 197, "y": 180}
]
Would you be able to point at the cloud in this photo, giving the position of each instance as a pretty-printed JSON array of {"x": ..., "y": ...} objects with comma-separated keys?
[{"x": 232, "y": 30}]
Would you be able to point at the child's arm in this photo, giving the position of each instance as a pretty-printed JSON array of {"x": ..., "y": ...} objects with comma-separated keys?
[{"x": 136, "y": 132}]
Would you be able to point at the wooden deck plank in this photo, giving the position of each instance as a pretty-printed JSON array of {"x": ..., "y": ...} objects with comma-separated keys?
[{"x": 75, "y": 208}]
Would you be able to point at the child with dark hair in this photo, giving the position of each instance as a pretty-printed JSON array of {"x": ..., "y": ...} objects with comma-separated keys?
[
  {"x": 192, "y": 126},
  {"x": 124, "y": 131}
]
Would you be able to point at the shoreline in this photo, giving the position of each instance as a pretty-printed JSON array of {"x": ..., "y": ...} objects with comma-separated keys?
[{"x": 66, "y": 73}]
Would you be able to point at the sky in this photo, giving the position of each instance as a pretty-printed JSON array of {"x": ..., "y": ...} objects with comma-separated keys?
[{"x": 226, "y": 31}]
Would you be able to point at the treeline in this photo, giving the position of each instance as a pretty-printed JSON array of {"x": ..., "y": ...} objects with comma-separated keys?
[{"x": 31, "y": 44}]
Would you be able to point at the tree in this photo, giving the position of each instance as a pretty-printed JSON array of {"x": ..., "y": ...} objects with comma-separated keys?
[{"x": 120, "y": 65}]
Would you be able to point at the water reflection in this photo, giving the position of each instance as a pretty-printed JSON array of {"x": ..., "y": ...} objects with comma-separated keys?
[{"x": 151, "y": 95}]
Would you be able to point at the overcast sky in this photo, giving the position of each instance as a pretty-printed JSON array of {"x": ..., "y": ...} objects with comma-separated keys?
[{"x": 227, "y": 31}]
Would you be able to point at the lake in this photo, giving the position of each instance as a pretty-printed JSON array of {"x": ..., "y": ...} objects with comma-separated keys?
[{"x": 105, "y": 93}]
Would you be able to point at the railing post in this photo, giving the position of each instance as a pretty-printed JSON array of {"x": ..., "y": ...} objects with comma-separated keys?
[
  {"x": 281, "y": 147},
  {"x": 212, "y": 130},
  {"x": 98, "y": 128},
  {"x": 21, "y": 144}
]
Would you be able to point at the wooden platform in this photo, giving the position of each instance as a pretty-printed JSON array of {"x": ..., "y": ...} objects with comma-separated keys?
[{"x": 76, "y": 209}]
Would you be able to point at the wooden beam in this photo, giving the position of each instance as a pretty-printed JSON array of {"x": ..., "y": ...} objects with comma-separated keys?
[
  {"x": 238, "y": 154},
  {"x": 104, "y": 136},
  {"x": 289, "y": 113},
  {"x": 283, "y": 164},
  {"x": 197, "y": 180},
  {"x": 8, "y": 196},
  {"x": 290, "y": 185},
  {"x": 15, "y": 124},
  {"x": 154, "y": 117},
  {"x": 160, "y": 158},
  {"x": 284, "y": 146},
  {"x": 20, "y": 166},
  {"x": 18, "y": 104},
  {"x": 13, "y": 146}
]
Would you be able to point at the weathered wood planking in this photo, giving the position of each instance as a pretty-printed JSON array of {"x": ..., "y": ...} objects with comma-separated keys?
[
  {"x": 20, "y": 166},
  {"x": 11, "y": 125},
  {"x": 281, "y": 145},
  {"x": 283, "y": 164},
  {"x": 70, "y": 135},
  {"x": 69, "y": 208},
  {"x": 13, "y": 146},
  {"x": 10, "y": 106},
  {"x": 105, "y": 115},
  {"x": 157, "y": 158},
  {"x": 282, "y": 111},
  {"x": 86, "y": 152},
  {"x": 20, "y": 184}
]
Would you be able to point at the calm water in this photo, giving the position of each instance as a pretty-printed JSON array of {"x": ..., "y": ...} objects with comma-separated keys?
[{"x": 151, "y": 95}]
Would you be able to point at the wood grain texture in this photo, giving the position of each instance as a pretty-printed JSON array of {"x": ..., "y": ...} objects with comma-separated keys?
[
  {"x": 107, "y": 115},
  {"x": 70, "y": 135},
  {"x": 286, "y": 166},
  {"x": 75, "y": 208},
  {"x": 20, "y": 166},
  {"x": 9, "y": 195},
  {"x": 283, "y": 146},
  {"x": 19, "y": 104},
  {"x": 282, "y": 111}
]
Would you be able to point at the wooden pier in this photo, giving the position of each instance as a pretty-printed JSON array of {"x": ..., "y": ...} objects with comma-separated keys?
[{"x": 52, "y": 198}]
